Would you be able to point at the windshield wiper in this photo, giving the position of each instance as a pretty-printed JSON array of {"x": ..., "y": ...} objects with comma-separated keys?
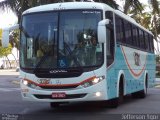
[
  {"x": 66, "y": 46},
  {"x": 42, "y": 60}
]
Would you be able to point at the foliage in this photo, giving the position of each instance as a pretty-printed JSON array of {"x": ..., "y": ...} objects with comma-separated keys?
[
  {"x": 14, "y": 38},
  {"x": 0, "y": 33},
  {"x": 5, "y": 51},
  {"x": 143, "y": 18},
  {"x": 111, "y": 3},
  {"x": 150, "y": 20},
  {"x": 132, "y": 5}
]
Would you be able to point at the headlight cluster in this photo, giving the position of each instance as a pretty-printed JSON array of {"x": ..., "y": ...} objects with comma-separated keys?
[
  {"x": 93, "y": 81},
  {"x": 29, "y": 84}
]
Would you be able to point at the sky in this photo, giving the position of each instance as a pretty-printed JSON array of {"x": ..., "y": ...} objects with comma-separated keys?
[{"x": 7, "y": 18}]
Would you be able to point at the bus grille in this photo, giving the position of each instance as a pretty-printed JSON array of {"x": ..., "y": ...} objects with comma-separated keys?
[
  {"x": 59, "y": 87},
  {"x": 73, "y": 96}
]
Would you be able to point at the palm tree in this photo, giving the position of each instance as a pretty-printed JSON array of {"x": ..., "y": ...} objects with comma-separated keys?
[
  {"x": 132, "y": 4},
  {"x": 111, "y": 3},
  {"x": 17, "y": 6},
  {"x": 141, "y": 17},
  {"x": 150, "y": 20},
  {"x": 156, "y": 18}
]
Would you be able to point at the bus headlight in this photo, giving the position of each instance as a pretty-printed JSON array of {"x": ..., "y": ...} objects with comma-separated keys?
[
  {"x": 29, "y": 84},
  {"x": 93, "y": 81}
]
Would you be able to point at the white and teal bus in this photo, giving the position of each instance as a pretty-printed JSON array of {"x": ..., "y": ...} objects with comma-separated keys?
[{"x": 83, "y": 51}]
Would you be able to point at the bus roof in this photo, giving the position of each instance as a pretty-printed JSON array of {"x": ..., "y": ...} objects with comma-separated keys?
[
  {"x": 83, "y": 5},
  {"x": 68, "y": 6}
]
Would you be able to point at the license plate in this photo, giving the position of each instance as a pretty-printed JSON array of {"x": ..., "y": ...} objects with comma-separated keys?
[{"x": 58, "y": 95}]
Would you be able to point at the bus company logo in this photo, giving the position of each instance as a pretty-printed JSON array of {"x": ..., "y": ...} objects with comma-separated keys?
[
  {"x": 44, "y": 81},
  {"x": 137, "y": 58},
  {"x": 57, "y": 71}
]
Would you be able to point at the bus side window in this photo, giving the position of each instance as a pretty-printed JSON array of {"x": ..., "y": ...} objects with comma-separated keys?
[
  {"x": 151, "y": 43},
  {"x": 141, "y": 39},
  {"x": 110, "y": 39},
  {"x": 110, "y": 46},
  {"x": 147, "y": 41},
  {"x": 119, "y": 29},
  {"x": 144, "y": 39},
  {"x": 135, "y": 37},
  {"x": 128, "y": 32}
]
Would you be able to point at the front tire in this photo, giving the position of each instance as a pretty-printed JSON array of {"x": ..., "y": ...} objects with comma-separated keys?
[{"x": 114, "y": 103}]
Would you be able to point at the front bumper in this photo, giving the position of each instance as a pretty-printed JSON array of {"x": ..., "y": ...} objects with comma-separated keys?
[{"x": 80, "y": 94}]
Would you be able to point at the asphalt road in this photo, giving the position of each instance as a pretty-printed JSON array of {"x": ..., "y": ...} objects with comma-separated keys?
[{"x": 13, "y": 108}]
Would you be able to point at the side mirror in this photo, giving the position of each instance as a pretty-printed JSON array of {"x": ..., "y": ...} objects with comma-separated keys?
[
  {"x": 102, "y": 30},
  {"x": 5, "y": 34}
]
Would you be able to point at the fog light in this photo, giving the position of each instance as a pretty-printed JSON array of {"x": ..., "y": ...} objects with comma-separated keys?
[
  {"x": 25, "y": 82},
  {"x": 98, "y": 94}
]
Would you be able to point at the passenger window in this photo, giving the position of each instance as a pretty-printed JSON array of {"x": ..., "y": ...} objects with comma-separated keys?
[
  {"x": 119, "y": 30},
  {"x": 110, "y": 45},
  {"x": 151, "y": 43},
  {"x": 141, "y": 39},
  {"x": 128, "y": 33}
]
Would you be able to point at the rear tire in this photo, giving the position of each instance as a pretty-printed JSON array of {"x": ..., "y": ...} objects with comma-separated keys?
[
  {"x": 114, "y": 103},
  {"x": 142, "y": 93},
  {"x": 139, "y": 94}
]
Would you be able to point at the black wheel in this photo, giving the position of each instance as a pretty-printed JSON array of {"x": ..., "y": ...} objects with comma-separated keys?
[
  {"x": 114, "y": 103},
  {"x": 139, "y": 94},
  {"x": 142, "y": 93}
]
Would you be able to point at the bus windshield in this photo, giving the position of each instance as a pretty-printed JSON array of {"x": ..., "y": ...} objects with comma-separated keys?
[{"x": 65, "y": 39}]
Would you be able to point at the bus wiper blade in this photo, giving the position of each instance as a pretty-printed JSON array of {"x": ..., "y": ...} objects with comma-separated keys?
[
  {"x": 42, "y": 60},
  {"x": 66, "y": 46}
]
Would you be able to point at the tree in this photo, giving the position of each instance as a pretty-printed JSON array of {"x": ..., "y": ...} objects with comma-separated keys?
[
  {"x": 132, "y": 5},
  {"x": 149, "y": 19},
  {"x": 5, "y": 52},
  {"x": 143, "y": 18},
  {"x": 0, "y": 33},
  {"x": 156, "y": 18},
  {"x": 14, "y": 38},
  {"x": 111, "y": 3}
]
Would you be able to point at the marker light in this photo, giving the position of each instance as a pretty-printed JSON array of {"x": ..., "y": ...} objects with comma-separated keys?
[{"x": 25, "y": 82}]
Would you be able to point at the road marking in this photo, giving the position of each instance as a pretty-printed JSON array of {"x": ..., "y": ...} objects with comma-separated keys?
[{"x": 9, "y": 89}]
